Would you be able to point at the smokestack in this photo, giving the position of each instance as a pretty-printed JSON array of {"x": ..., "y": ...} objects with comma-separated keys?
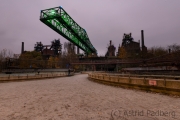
[
  {"x": 110, "y": 42},
  {"x": 142, "y": 38},
  {"x": 22, "y": 48},
  {"x": 139, "y": 43}
]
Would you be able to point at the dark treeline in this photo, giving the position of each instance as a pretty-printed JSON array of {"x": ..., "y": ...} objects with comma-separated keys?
[
  {"x": 158, "y": 50},
  {"x": 33, "y": 59}
]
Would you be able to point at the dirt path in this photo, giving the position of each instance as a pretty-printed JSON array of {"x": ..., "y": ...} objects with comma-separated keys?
[{"x": 76, "y": 98}]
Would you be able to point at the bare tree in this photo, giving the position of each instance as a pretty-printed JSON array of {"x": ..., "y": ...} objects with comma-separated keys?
[
  {"x": 68, "y": 55},
  {"x": 174, "y": 47},
  {"x": 10, "y": 54},
  {"x": 157, "y": 51},
  {"x": 6, "y": 54},
  {"x": 3, "y": 55}
]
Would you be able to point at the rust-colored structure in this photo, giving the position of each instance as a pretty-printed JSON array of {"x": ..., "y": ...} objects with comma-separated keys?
[
  {"x": 54, "y": 49},
  {"x": 48, "y": 52}
]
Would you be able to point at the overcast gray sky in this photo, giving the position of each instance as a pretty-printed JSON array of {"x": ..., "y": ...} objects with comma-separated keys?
[{"x": 103, "y": 20}]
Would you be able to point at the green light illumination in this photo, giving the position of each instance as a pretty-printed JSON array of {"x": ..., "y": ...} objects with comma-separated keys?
[
  {"x": 68, "y": 34},
  {"x": 52, "y": 12},
  {"x": 62, "y": 23}
]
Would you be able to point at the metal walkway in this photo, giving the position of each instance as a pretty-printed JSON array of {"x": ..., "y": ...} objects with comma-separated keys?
[{"x": 58, "y": 20}]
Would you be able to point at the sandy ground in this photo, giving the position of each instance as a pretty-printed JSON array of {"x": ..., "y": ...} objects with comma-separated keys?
[{"x": 77, "y": 98}]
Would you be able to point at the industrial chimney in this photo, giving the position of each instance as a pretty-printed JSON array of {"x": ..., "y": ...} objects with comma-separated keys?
[
  {"x": 110, "y": 42},
  {"x": 142, "y": 38},
  {"x": 22, "y": 48}
]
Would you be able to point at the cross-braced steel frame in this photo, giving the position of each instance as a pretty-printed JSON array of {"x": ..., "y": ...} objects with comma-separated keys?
[{"x": 58, "y": 19}]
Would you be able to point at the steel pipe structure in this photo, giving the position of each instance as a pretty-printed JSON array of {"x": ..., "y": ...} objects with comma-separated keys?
[{"x": 58, "y": 20}]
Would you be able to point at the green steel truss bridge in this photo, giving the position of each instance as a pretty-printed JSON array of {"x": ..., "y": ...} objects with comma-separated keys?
[{"x": 58, "y": 20}]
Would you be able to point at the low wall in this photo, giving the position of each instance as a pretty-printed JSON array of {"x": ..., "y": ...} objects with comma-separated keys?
[
  {"x": 23, "y": 77},
  {"x": 33, "y": 70},
  {"x": 88, "y": 72},
  {"x": 166, "y": 85}
]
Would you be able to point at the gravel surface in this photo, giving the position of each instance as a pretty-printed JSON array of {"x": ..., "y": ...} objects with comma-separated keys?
[{"x": 77, "y": 98}]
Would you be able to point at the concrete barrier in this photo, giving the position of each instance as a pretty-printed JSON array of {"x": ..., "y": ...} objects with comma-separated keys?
[{"x": 161, "y": 84}]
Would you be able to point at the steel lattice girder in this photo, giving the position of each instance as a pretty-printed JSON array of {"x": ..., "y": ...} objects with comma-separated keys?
[{"x": 57, "y": 19}]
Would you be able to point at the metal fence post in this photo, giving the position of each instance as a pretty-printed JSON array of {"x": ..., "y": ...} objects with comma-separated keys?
[
  {"x": 164, "y": 81},
  {"x": 144, "y": 80},
  {"x": 129, "y": 79}
]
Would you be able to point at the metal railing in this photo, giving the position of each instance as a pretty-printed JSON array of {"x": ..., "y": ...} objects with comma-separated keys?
[{"x": 12, "y": 77}]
